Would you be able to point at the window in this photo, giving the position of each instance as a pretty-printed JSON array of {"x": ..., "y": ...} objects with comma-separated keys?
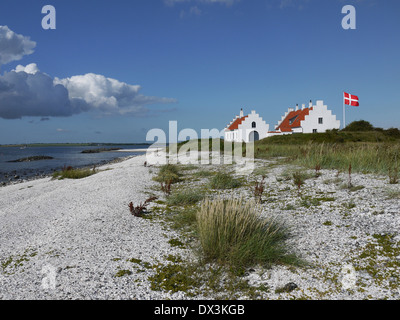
[
  {"x": 320, "y": 120},
  {"x": 292, "y": 120},
  {"x": 314, "y": 131},
  {"x": 253, "y": 125}
]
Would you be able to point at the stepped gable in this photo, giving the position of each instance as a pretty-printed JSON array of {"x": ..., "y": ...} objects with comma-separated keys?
[{"x": 293, "y": 120}]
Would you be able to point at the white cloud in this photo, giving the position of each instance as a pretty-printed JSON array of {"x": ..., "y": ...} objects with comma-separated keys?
[
  {"x": 30, "y": 68},
  {"x": 14, "y": 46},
  {"x": 26, "y": 91},
  {"x": 108, "y": 95}
]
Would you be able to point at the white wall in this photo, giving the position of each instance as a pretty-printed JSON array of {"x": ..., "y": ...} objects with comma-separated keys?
[
  {"x": 245, "y": 128},
  {"x": 320, "y": 110}
]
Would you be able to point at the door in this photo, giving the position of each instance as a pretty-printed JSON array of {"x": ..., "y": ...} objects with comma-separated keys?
[{"x": 254, "y": 136}]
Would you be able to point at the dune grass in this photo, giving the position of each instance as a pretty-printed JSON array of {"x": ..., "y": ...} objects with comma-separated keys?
[
  {"x": 381, "y": 158},
  {"x": 232, "y": 233},
  {"x": 223, "y": 180},
  {"x": 185, "y": 197},
  {"x": 168, "y": 173},
  {"x": 71, "y": 173}
]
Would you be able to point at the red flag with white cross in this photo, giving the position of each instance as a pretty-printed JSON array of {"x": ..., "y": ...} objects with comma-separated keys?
[{"x": 351, "y": 100}]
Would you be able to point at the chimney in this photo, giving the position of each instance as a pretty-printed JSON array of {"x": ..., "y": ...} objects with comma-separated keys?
[
  {"x": 310, "y": 105},
  {"x": 241, "y": 113},
  {"x": 297, "y": 107},
  {"x": 303, "y": 106}
]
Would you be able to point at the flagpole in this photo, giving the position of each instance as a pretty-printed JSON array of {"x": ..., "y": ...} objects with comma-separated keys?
[{"x": 344, "y": 113}]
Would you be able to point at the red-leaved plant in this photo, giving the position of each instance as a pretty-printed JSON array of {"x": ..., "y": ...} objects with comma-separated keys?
[{"x": 141, "y": 209}]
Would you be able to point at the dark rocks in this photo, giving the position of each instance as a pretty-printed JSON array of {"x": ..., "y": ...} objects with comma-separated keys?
[
  {"x": 99, "y": 150},
  {"x": 33, "y": 158}
]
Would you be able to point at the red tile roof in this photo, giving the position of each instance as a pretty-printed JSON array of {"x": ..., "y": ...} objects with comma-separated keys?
[
  {"x": 236, "y": 123},
  {"x": 296, "y": 116}
]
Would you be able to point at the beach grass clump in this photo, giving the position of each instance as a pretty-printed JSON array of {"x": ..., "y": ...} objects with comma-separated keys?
[
  {"x": 232, "y": 233},
  {"x": 72, "y": 173},
  {"x": 168, "y": 173},
  {"x": 223, "y": 180},
  {"x": 185, "y": 197}
]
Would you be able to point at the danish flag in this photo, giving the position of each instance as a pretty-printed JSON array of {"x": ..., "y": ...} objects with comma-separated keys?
[{"x": 351, "y": 100}]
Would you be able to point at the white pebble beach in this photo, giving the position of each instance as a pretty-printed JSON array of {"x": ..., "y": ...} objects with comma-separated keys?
[{"x": 67, "y": 239}]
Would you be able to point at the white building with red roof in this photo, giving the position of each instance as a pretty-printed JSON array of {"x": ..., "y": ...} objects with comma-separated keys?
[
  {"x": 252, "y": 127},
  {"x": 307, "y": 120},
  {"x": 246, "y": 128}
]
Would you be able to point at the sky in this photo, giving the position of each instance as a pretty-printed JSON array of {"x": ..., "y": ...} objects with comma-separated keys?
[{"x": 111, "y": 71}]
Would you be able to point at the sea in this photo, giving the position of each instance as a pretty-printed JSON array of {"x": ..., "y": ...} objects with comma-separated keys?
[{"x": 63, "y": 156}]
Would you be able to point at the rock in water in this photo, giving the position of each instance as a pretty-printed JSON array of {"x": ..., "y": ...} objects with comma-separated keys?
[{"x": 33, "y": 158}]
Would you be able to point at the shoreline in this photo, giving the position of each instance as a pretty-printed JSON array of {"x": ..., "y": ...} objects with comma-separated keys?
[{"x": 40, "y": 174}]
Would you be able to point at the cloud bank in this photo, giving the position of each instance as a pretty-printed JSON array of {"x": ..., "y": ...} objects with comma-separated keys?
[
  {"x": 26, "y": 91},
  {"x": 14, "y": 47},
  {"x": 35, "y": 94}
]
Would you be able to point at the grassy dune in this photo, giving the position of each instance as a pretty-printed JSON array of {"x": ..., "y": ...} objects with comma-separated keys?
[{"x": 376, "y": 151}]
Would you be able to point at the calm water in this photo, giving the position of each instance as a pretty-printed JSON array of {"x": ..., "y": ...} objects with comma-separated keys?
[{"x": 63, "y": 156}]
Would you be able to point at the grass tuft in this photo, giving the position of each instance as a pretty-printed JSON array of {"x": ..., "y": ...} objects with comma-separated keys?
[
  {"x": 224, "y": 180},
  {"x": 232, "y": 233},
  {"x": 71, "y": 173},
  {"x": 185, "y": 197}
]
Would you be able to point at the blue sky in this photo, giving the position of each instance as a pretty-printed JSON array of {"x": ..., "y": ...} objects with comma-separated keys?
[{"x": 194, "y": 61}]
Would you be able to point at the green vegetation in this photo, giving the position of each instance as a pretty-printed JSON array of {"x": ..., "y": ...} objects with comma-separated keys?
[
  {"x": 183, "y": 219},
  {"x": 367, "y": 157},
  {"x": 122, "y": 273},
  {"x": 176, "y": 243},
  {"x": 380, "y": 258},
  {"x": 190, "y": 277},
  {"x": 361, "y": 125},
  {"x": 168, "y": 173},
  {"x": 232, "y": 233},
  {"x": 224, "y": 180},
  {"x": 71, "y": 173},
  {"x": 13, "y": 264},
  {"x": 174, "y": 278},
  {"x": 185, "y": 197}
]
